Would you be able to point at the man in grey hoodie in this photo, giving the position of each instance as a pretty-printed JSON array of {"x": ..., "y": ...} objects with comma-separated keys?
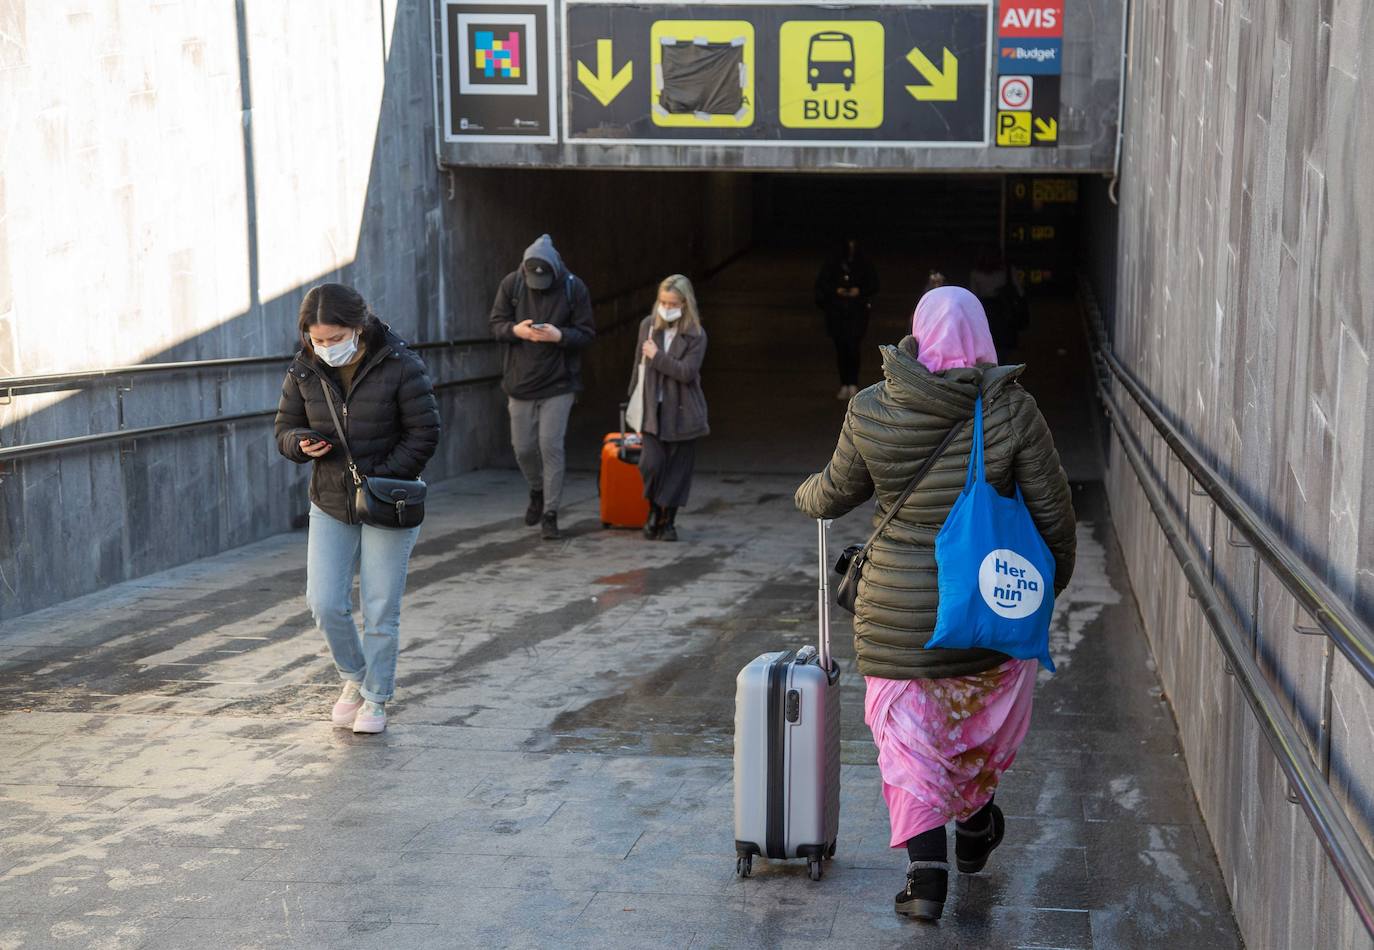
[{"x": 543, "y": 315}]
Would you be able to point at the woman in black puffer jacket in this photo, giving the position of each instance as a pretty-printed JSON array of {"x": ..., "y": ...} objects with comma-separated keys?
[{"x": 385, "y": 403}]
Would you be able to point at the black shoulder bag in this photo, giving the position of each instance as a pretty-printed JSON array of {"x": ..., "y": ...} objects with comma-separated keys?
[
  {"x": 851, "y": 561},
  {"x": 380, "y": 502}
]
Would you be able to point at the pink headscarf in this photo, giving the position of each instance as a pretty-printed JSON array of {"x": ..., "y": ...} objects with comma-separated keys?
[{"x": 951, "y": 330}]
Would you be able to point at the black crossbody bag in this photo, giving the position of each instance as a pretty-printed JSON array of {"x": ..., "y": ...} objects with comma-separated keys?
[
  {"x": 380, "y": 502},
  {"x": 850, "y": 565}
]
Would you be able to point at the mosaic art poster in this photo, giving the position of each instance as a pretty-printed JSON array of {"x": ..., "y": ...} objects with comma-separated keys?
[{"x": 496, "y": 61}]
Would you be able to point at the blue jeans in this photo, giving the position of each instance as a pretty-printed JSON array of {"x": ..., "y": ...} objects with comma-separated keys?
[{"x": 381, "y": 556}]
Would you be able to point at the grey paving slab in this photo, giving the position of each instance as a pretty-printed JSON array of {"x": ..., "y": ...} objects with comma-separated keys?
[
  {"x": 557, "y": 771},
  {"x": 82, "y": 933}
]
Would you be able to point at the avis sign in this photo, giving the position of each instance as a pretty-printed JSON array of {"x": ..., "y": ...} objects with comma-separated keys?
[{"x": 1042, "y": 18}]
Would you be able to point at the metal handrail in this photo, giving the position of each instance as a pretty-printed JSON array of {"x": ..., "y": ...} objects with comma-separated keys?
[
  {"x": 50, "y": 381},
  {"x": 12, "y": 452},
  {"x": 1354, "y": 637},
  {"x": 1310, "y": 788}
]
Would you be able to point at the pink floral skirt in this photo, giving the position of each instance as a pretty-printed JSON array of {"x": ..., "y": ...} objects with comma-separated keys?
[{"x": 944, "y": 743}]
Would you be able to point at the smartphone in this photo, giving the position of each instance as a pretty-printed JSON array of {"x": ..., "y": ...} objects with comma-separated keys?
[
  {"x": 313, "y": 436},
  {"x": 540, "y": 326}
]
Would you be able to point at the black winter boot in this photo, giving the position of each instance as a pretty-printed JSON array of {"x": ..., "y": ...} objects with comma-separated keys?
[
  {"x": 655, "y": 522},
  {"x": 669, "y": 530},
  {"x": 927, "y": 883},
  {"x": 548, "y": 528},
  {"x": 975, "y": 840},
  {"x": 536, "y": 509}
]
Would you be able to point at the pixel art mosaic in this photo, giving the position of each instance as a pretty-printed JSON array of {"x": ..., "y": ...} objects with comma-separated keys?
[{"x": 497, "y": 58}]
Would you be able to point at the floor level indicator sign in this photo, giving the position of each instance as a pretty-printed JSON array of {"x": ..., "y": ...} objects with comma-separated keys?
[{"x": 830, "y": 74}]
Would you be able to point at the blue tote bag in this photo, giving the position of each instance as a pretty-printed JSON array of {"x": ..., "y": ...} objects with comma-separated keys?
[{"x": 996, "y": 573}]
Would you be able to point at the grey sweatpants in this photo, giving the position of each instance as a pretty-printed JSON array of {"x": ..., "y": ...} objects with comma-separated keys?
[{"x": 537, "y": 431}]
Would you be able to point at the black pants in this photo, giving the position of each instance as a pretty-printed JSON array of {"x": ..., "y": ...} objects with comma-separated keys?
[
  {"x": 667, "y": 470},
  {"x": 847, "y": 350}
]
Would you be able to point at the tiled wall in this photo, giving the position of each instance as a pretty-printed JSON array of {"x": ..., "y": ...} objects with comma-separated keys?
[{"x": 1246, "y": 306}]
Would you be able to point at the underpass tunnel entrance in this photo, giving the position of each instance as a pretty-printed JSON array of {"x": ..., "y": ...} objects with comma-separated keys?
[{"x": 771, "y": 376}]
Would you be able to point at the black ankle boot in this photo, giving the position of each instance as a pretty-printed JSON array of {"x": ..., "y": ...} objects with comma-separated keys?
[
  {"x": 973, "y": 845},
  {"x": 536, "y": 509},
  {"x": 654, "y": 524},
  {"x": 668, "y": 532},
  {"x": 548, "y": 529},
  {"x": 927, "y": 883}
]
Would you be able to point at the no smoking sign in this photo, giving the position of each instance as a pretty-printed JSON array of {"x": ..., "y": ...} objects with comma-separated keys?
[{"x": 1014, "y": 93}]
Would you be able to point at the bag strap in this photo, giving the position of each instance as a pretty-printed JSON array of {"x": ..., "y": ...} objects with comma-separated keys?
[
  {"x": 976, "y": 472},
  {"x": 921, "y": 473},
  {"x": 338, "y": 429}
]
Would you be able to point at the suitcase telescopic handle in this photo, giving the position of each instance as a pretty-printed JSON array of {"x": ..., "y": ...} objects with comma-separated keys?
[
  {"x": 623, "y": 407},
  {"x": 823, "y": 592}
]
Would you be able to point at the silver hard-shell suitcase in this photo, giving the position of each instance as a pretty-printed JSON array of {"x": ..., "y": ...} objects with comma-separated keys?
[{"x": 787, "y": 748}]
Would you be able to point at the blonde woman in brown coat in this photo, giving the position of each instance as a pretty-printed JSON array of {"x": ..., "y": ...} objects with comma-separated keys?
[{"x": 667, "y": 402}]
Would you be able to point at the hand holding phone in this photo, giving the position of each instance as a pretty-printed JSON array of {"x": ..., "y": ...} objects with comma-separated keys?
[{"x": 314, "y": 444}]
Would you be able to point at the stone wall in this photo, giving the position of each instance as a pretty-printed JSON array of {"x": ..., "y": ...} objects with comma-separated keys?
[
  {"x": 174, "y": 177},
  {"x": 1246, "y": 306}
]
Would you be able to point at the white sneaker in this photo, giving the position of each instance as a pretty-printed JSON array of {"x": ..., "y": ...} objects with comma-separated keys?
[
  {"x": 853, "y": 391},
  {"x": 350, "y": 700},
  {"x": 371, "y": 718},
  {"x": 843, "y": 393}
]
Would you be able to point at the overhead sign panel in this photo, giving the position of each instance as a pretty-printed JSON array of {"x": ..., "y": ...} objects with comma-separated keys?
[
  {"x": 760, "y": 74},
  {"x": 1030, "y": 61},
  {"x": 499, "y": 73}
]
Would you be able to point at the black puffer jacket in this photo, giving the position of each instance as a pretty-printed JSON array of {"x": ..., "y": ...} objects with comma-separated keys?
[{"x": 390, "y": 418}]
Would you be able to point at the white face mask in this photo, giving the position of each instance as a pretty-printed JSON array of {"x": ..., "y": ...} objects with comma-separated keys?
[
  {"x": 669, "y": 315},
  {"x": 338, "y": 354}
]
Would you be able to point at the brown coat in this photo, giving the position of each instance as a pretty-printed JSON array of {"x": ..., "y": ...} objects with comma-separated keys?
[
  {"x": 890, "y": 429},
  {"x": 681, "y": 415}
]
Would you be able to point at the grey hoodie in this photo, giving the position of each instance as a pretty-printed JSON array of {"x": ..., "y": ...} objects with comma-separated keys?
[{"x": 540, "y": 370}]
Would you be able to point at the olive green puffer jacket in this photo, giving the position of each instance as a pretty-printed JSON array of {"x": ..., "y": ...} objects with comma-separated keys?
[{"x": 890, "y": 429}]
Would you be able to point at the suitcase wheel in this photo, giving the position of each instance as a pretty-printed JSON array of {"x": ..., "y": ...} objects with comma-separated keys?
[
  {"x": 813, "y": 868},
  {"x": 831, "y": 852},
  {"x": 744, "y": 864},
  {"x": 605, "y": 524}
]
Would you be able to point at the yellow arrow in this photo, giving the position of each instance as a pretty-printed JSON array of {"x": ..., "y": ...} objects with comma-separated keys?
[
  {"x": 605, "y": 83},
  {"x": 944, "y": 83},
  {"x": 1046, "y": 130}
]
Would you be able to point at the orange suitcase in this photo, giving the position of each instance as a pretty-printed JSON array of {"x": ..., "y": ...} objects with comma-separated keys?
[{"x": 623, "y": 504}]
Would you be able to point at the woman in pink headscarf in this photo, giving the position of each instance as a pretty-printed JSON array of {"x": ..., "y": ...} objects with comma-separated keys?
[{"x": 947, "y": 723}]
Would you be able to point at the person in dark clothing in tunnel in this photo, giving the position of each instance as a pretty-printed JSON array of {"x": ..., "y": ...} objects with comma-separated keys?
[
  {"x": 844, "y": 291},
  {"x": 990, "y": 279},
  {"x": 667, "y": 405},
  {"x": 543, "y": 313}
]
